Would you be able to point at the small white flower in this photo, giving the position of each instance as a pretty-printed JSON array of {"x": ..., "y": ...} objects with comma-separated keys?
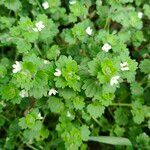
[
  {"x": 140, "y": 15},
  {"x": 39, "y": 116},
  {"x": 52, "y": 91},
  {"x": 106, "y": 47},
  {"x": 114, "y": 80},
  {"x": 72, "y": 2},
  {"x": 89, "y": 30},
  {"x": 46, "y": 62},
  {"x": 57, "y": 73},
  {"x": 39, "y": 26},
  {"x": 124, "y": 66},
  {"x": 16, "y": 67},
  {"x": 45, "y": 5},
  {"x": 23, "y": 93},
  {"x": 68, "y": 114},
  {"x": 35, "y": 29}
]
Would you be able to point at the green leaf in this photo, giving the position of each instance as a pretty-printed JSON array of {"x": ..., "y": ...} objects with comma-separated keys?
[
  {"x": 119, "y": 131},
  {"x": 121, "y": 116},
  {"x": 23, "y": 80},
  {"x": 95, "y": 109},
  {"x": 55, "y": 105},
  {"x": 78, "y": 9},
  {"x": 143, "y": 140},
  {"x": 138, "y": 112},
  {"x": 144, "y": 66},
  {"x": 23, "y": 46},
  {"x": 67, "y": 35},
  {"x": 78, "y": 103},
  {"x": 67, "y": 93},
  {"x": 94, "y": 67},
  {"x": 22, "y": 123},
  {"x": 69, "y": 77},
  {"x": 91, "y": 87},
  {"x": 29, "y": 66},
  {"x": 126, "y": 1},
  {"x": 30, "y": 120},
  {"x": 3, "y": 71},
  {"x": 53, "y": 52},
  {"x": 2, "y": 122},
  {"x": 111, "y": 140},
  {"x": 50, "y": 30},
  {"x": 13, "y": 4},
  {"x": 6, "y": 22},
  {"x": 137, "y": 38},
  {"x": 146, "y": 8},
  {"x": 38, "y": 92},
  {"x": 136, "y": 90},
  {"x": 85, "y": 132},
  {"x": 79, "y": 30},
  {"x": 9, "y": 92},
  {"x": 54, "y": 3},
  {"x": 108, "y": 67},
  {"x": 122, "y": 15}
]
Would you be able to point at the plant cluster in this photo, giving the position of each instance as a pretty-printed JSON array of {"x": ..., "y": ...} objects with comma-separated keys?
[{"x": 74, "y": 74}]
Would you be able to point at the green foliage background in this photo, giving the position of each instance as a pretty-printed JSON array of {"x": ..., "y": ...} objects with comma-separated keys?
[{"x": 86, "y": 105}]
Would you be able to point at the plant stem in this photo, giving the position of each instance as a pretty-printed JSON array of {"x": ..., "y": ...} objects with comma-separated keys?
[
  {"x": 121, "y": 104},
  {"x": 110, "y": 112},
  {"x": 9, "y": 13},
  {"x": 107, "y": 24},
  {"x": 30, "y": 146},
  {"x": 144, "y": 125},
  {"x": 97, "y": 121},
  {"x": 144, "y": 80},
  {"x": 36, "y": 46},
  {"x": 4, "y": 117},
  {"x": 39, "y": 6},
  {"x": 27, "y": 144}
]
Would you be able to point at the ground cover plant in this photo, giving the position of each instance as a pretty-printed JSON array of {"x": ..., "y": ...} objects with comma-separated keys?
[{"x": 74, "y": 74}]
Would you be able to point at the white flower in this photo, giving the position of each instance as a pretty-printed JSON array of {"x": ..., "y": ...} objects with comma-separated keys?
[
  {"x": 39, "y": 116},
  {"x": 57, "y": 73},
  {"x": 114, "y": 80},
  {"x": 35, "y": 29},
  {"x": 16, "y": 67},
  {"x": 68, "y": 114},
  {"x": 39, "y": 26},
  {"x": 45, "y": 5},
  {"x": 124, "y": 66},
  {"x": 23, "y": 93},
  {"x": 89, "y": 30},
  {"x": 72, "y": 2},
  {"x": 140, "y": 15},
  {"x": 46, "y": 62},
  {"x": 52, "y": 91},
  {"x": 106, "y": 47}
]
